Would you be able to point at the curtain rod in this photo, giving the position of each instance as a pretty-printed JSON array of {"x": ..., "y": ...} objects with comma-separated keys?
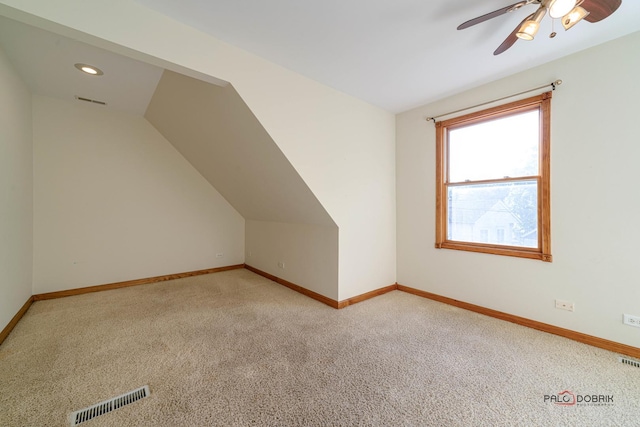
[{"x": 552, "y": 84}]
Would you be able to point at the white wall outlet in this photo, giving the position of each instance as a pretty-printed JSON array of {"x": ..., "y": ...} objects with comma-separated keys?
[
  {"x": 564, "y": 305},
  {"x": 281, "y": 264},
  {"x": 220, "y": 255},
  {"x": 249, "y": 253},
  {"x": 630, "y": 320}
]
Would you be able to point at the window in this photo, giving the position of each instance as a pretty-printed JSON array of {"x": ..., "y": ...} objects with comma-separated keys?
[{"x": 492, "y": 177}]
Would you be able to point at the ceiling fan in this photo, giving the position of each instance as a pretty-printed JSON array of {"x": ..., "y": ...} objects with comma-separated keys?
[{"x": 570, "y": 11}]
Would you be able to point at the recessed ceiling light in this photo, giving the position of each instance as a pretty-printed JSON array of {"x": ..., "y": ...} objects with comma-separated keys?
[{"x": 89, "y": 69}]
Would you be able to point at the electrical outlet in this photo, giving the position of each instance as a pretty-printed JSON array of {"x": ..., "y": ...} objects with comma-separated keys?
[
  {"x": 281, "y": 264},
  {"x": 564, "y": 305},
  {"x": 220, "y": 255},
  {"x": 630, "y": 320}
]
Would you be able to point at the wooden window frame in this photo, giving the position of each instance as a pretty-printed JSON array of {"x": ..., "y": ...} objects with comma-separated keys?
[{"x": 542, "y": 103}]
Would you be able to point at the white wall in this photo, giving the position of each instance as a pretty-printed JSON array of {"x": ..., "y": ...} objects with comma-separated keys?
[
  {"x": 16, "y": 196},
  {"x": 309, "y": 253},
  {"x": 114, "y": 201},
  {"x": 594, "y": 197},
  {"x": 342, "y": 147}
]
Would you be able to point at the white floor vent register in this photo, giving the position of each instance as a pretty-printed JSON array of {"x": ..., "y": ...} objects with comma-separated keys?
[{"x": 78, "y": 417}]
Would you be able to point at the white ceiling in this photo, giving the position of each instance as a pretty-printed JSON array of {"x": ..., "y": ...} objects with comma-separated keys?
[
  {"x": 46, "y": 61},
  {"x": 394, "y": 54}
]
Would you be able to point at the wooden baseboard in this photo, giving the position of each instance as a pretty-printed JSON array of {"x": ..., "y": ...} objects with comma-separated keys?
[
  {"x": 14, "y": 321},
  {"x": 372, "y": 294},
  {"x": 304, "y": 291},
  {"x": 325, "y": 300},
  {"x": 118, "y": 285},
  {"x": 566, "y": 333}
]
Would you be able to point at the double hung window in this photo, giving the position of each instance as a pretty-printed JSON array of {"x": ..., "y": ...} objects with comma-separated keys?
[{"x": 492, "y": 177}]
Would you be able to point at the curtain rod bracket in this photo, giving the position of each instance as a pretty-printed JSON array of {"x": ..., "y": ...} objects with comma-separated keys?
[{"x": 553, "y": 84}]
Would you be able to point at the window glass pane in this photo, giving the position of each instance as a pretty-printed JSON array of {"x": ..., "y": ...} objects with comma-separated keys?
[
  {"x": 494, "y": 149},
  {"x": 502, "y": 214}
]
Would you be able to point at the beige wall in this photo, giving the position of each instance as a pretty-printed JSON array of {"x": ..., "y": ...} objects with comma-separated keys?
[
  {"x": 309, "y": 253},
  {"x": 219, "y": 135},
  {"x": 114, "y": 201},
  {"x": 595, "y": 201},
  {"x": 16, "y": 197},
  {"x": 342, "y": 147}
]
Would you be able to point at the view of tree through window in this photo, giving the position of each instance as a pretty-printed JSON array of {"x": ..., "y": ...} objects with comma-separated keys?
[
  {"x": 493, "y": 180},
  {"x": 508, "y": 212}
]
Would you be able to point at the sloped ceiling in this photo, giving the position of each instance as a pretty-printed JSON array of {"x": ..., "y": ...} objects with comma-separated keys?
[
  {"x": 210, "y": 125},
  {"x": 46, "y": 61},
  {"x": 218, "y": 134}
]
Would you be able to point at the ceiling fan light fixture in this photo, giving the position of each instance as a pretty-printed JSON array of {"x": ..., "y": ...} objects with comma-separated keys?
[
  {"x": 570, "y": 12},
  {"x": 560, "y": 8},
  {"x": 528, "y": 30},
  {"x": 572, "y": 18},
  {"x": 530, "y": 27}
]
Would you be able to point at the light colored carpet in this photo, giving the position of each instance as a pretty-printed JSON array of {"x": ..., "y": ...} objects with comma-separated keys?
[{"x": 235, "y": 349}]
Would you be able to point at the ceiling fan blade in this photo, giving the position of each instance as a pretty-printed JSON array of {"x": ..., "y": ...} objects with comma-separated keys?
[
  {"x": 491, "y": 15},
  {"x": 600, "y": 9},
  {"x": 512, "y": 38}
]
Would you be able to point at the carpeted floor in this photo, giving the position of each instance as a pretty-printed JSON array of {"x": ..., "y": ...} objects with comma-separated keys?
[{"x": 235, "y": 349}]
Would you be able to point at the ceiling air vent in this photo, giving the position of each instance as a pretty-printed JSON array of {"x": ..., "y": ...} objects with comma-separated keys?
[
  {"x": 79, "y": 417},
  {"x": 94, "y": 101}
]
